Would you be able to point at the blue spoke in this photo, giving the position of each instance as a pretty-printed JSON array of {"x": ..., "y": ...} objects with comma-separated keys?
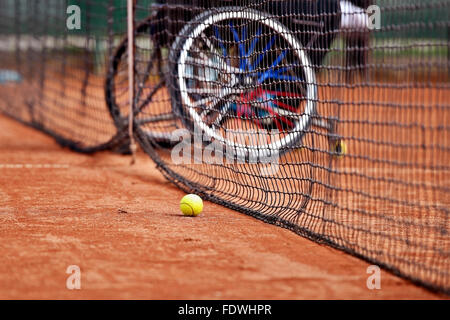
[
  {"x": 282, "y": 70},
  {"x": 254, "y": 42},
  {"x": 269, "y": 74},
  {"x": 241, "y": 46},
  {"x": 261, "y": 56},
  {"x": 244, "y": 33},
  {"x": 274, "y": 74},
  {"x": 235, "y": 34},
  {"x": 252, "y": 47},
  {"x": 224, "y": 50},
  {"x": 264, "y": 76}
]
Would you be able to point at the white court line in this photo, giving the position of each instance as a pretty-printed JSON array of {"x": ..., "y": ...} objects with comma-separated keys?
[{"x": 32, "y": 166}]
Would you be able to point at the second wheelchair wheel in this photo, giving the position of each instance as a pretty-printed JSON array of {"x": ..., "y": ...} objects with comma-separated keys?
[
  {"x": 150, "y": 93},
  {"x": 244, "y": 80}
]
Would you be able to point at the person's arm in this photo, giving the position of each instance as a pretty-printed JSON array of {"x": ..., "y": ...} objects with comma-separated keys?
[{"x": 352, "y": 16}]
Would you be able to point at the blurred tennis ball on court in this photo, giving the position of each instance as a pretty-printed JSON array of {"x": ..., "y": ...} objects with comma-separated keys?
[{"x": 191, "y": 205}]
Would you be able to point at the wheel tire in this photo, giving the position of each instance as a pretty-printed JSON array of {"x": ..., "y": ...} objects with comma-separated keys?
[{"x": 188, "y": 116}]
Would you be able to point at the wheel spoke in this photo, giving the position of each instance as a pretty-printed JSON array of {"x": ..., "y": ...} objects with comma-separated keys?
[
  {"x": 212, "y": 48},
  {"x": 223, "y": 93},
  {"x": 156, "y": 118},
  {"x": 266, "y": 49},
  {"x": 148, "y": 69},
  {"x": 210, "y": 63},
  {"x": 150, "y": 96},
  {"x": 241, "y": 46},
  {"x": 203, "y": 101},
  {"x": 254, "y": 42},
  {"x": 203, "y": 91},
  {"x": 275, "y": 75},
  {"x": 224, "y": 50},
  {"x": 198, "y": 78}
]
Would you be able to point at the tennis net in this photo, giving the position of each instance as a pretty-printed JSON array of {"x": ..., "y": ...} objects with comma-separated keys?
[{"x": 329, "y": 118}]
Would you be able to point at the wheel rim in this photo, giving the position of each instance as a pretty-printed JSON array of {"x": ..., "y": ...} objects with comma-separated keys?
[{"x": 241, "y": 87}]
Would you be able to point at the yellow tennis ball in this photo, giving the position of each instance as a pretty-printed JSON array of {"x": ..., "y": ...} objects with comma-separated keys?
[
  {"x": 191, "y": 205},
  {"x": 340, "y": 148}
]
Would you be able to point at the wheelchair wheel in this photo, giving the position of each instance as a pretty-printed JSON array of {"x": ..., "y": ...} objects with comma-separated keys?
[
  {"x": 149, "y": 83},
  {"x": 244, "y": 79}
]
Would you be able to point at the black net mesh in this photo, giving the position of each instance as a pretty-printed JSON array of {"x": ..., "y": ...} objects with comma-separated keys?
[
  {"x": 53, "y": 66},
  {"x": 330, "y": 118}
]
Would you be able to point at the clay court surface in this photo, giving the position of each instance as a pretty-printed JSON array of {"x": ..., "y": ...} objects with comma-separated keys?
[{"x": 121, "y": 225}]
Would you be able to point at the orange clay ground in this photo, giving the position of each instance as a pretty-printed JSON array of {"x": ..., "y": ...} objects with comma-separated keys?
[{"x": 122, "y": 226}]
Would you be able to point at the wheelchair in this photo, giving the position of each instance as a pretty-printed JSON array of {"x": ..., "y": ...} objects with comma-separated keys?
[{"x": 242, "y": 72}]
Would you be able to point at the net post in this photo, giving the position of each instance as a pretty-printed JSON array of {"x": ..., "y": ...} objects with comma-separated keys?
[
  {"x": 130, "y": 27},
  {"x": 448, "y": 51}
]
